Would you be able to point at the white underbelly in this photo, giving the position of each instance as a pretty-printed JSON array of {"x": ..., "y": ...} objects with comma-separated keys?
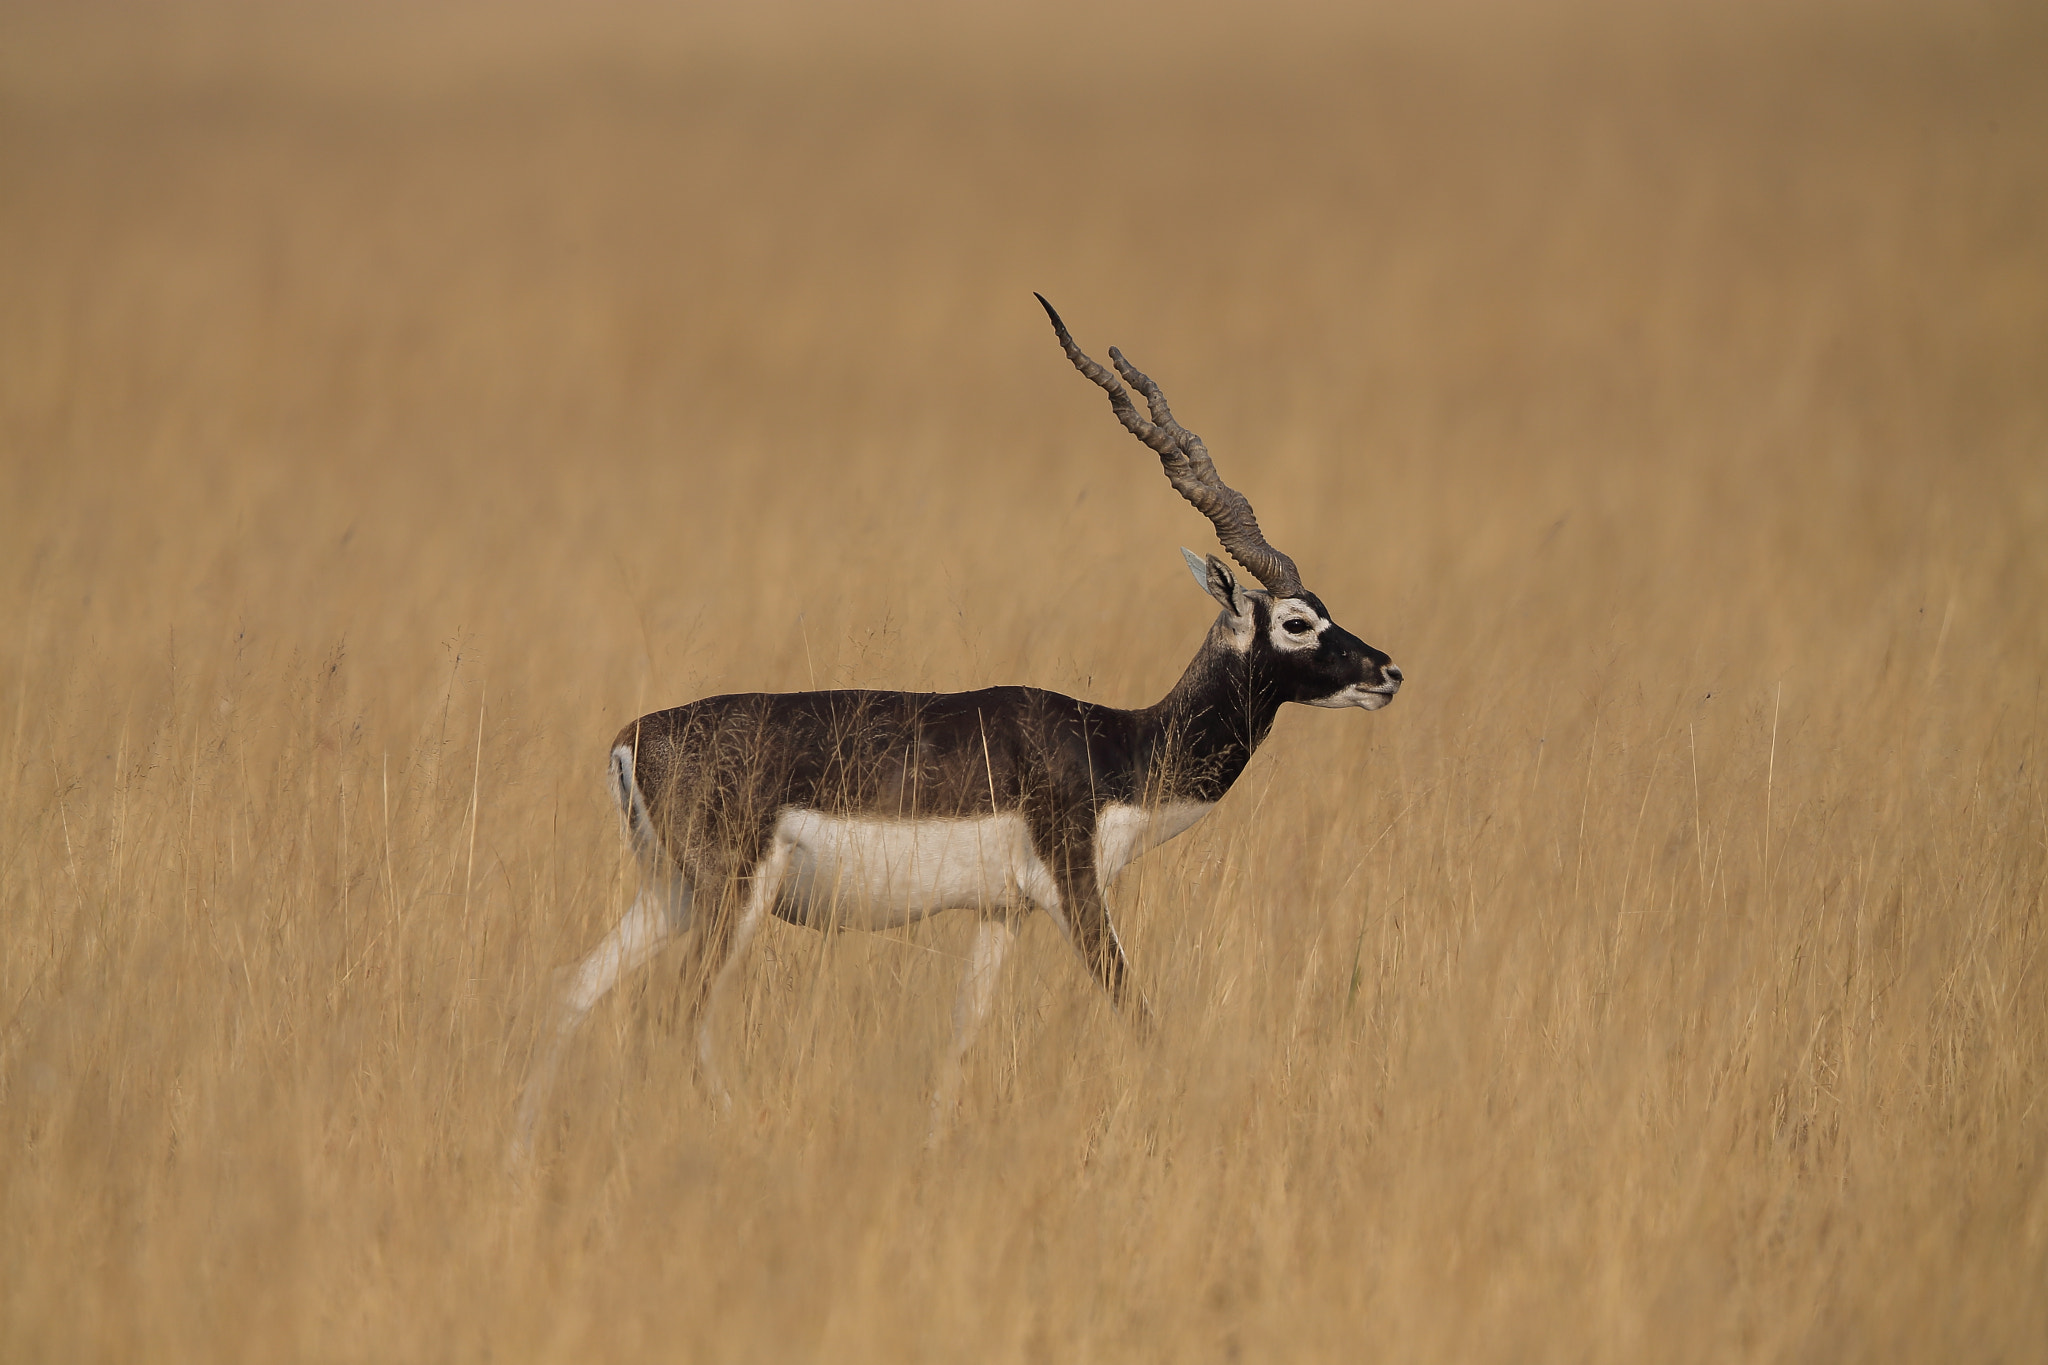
[{"x": 866, "y": 873}]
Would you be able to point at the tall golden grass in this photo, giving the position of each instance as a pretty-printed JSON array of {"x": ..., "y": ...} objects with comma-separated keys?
[{"x": 394, "y": 404}]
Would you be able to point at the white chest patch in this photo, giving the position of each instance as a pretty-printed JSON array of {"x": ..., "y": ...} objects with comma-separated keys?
[
  {"x": 876, "y": 874},
  {"x": 1124, "y": 832}
]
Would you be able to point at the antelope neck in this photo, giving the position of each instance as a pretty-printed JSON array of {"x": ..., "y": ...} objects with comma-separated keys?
[{"x": 1199, "y": 737}]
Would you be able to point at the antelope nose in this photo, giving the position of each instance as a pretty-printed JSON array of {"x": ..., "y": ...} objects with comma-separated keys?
[{"x": 1392, "y": 673}]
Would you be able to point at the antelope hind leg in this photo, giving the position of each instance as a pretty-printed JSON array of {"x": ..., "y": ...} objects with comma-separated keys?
[
  {"x": 721, "y": 943},
  {"x": 992, "y": 940},
  {"x": 658, "y": 914}
]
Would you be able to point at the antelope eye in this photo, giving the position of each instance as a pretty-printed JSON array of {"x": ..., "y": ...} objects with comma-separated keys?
[{"x": 1297, "y": 626}]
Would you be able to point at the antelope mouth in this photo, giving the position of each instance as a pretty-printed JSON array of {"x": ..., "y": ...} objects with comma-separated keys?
[
  {"x": 1359, "y": 695},
  {"x": 1373, "y": 698}
]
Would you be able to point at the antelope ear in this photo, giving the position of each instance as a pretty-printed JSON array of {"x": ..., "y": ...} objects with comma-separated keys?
[{"x": 1219, "y": 582}]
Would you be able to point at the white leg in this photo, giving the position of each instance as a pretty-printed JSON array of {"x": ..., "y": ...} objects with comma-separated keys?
[
  {"x": 659, "y": 913},
  {"x": 992, "y": 940},
  {"x": 767, "y": 881}
]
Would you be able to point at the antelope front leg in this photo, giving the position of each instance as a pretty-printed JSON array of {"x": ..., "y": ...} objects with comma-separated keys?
[
  {"x": 1086, "y": 917},
  {"x": 992, "y": 940}
]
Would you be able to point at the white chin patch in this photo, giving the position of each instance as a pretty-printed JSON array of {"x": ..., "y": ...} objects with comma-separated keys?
[{"x": 1354, "y": 695}]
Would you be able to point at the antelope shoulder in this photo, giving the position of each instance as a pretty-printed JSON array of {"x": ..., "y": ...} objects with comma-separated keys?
[{"x": 1123, "y": 832}]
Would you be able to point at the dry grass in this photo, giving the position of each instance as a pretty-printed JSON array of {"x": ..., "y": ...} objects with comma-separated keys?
[{"x": 390, "y": 407}]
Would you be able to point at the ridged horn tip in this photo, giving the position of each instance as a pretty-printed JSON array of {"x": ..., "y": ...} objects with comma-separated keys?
[{"x": 1051, "y": 312}]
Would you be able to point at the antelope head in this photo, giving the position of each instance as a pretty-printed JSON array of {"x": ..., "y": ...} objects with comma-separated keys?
[{"x": 1284, "y": 632}]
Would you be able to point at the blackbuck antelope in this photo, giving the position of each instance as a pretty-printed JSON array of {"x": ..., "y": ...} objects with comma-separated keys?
[{"x": 873, "y": 809}]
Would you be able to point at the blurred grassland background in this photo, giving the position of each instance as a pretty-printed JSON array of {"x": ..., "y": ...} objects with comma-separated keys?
[{"x": 395, "y": 400}]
